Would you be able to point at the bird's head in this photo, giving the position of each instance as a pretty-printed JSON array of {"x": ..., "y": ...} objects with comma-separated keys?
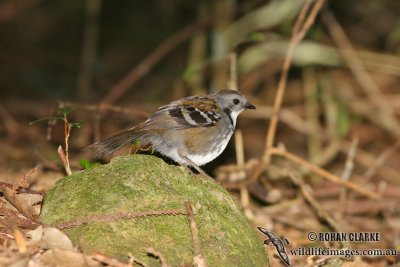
[{"x": 234, "y": 101}]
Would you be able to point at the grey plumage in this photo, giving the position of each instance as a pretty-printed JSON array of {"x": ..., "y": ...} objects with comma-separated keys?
[{"x": 199, "y": 126}]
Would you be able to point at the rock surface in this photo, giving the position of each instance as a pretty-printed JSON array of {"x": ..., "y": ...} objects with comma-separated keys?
[{"x": 139, "y": 183}]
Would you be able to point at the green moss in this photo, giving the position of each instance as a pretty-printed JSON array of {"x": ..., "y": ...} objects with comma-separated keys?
[{"x": 145, "y": 183}]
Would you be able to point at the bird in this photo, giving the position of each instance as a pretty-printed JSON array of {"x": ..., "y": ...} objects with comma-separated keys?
[{"x": 191, "y": 131}]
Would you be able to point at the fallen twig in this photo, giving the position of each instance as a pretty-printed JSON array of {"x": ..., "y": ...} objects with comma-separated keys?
[
  {"x": 348, "y": 169},
  {"x": 349, "y": 165},
  {"x": 198, "y": 259},
  {"x": 368, "y": 160},
  {"x": 321, "y": 213},
  {"x": 380, "y": 160},
  {"x": 115, "y": 217},
  {"x": 327, "y": 175}
]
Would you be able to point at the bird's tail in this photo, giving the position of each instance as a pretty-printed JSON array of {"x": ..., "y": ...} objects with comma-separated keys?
[{"x": 115, "y": 142}]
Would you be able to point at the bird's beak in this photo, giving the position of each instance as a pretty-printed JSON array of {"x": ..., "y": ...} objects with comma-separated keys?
[{"x": 249, "y": 106}]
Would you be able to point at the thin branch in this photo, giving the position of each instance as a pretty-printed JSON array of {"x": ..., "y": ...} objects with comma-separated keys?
[
  {"x": 380, "y": 160},
  {"x": 198, "y": 259},
  {"x": 301, "y": 17},
  {"x": 240, "y": 159},
  {"x": 348, "y": 169},
  {"x": 64, "y": 160},
  {"x": 321, "y": 213},
  {"x": 296, "y": 38},
  {"x": 233, "y": 85},
  {"x": 115, "y": 217},
  {"x": 349, "y": 165},
  {"x": 356, "y": 66},
  {"x": 367, "y": 160},
  {"x": 67, "y": 132},
  {"x": 325, "y": 174}
]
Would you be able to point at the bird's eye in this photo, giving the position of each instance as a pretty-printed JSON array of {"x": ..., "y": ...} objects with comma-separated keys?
[{"x": 236, "y": 101}]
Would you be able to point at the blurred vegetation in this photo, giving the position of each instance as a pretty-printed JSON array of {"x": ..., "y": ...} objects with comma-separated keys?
[
  {"x": 42, "y": 42},
  {"x": 339, "y": 115}
]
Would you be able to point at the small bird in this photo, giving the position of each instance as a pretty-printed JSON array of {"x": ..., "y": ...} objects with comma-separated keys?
[{"x": 191, "y": 131}]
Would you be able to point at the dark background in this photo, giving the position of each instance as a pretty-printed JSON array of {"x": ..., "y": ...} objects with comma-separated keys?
[{"x": 41, "y": 52}]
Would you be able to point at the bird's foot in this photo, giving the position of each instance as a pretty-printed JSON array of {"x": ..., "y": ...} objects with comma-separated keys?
[{"x": 194, "y": 166}]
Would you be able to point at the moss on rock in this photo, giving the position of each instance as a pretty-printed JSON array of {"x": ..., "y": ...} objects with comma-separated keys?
[{"x": 145, "y": 183}]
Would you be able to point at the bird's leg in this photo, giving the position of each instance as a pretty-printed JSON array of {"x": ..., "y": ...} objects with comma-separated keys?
[
  {"x": 133, "y": 149},
  {"x": 191, "y": 163}
]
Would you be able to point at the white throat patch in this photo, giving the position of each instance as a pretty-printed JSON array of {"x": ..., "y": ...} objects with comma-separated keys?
[{"x": 234, "y": 115}]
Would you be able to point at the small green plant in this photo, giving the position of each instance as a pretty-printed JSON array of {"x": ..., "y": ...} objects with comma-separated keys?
[
  {"x": 86, "y": 164},
  {"x": 62, "y": 114}
]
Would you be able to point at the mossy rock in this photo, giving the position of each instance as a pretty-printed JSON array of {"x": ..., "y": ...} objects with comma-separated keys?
[{"x": 139, "y": 183}]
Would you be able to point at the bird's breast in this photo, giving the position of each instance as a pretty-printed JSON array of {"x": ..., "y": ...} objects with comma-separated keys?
[{"x": 207, "y": 143}]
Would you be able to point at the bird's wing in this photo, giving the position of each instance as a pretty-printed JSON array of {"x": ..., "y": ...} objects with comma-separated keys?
[{"x": 197, "y": 111}]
